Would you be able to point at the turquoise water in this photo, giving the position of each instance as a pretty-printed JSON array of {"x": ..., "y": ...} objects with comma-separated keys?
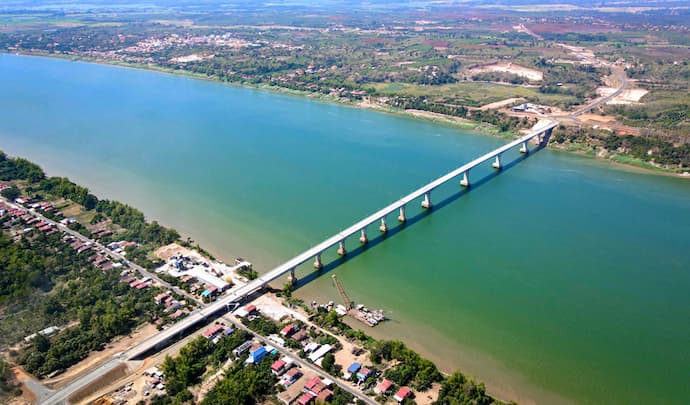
[{"x": 559, "y": 280}]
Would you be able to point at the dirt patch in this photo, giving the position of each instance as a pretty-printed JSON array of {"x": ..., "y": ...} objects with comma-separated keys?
[
  {"x": 27, "y": 396},
  {"x": 272, "y": 306},
  {"x": 140, "y": 382},
  {"x": 295, "y": 390},
  {"x": 72, "y": 210},
  {"x": 429, "y": 114},
  {"x": 117, "y": 346},
  {"x": 506, "y": 67},
  {"x": 597, "y": 118},
  {"x": 168, "y": 251},
  {"x": 345, "y": 357},
  {"x": 429, "y": 396},
  {"x": 628, "y": 96},
  {"x": 110, "y": 377},
  {"x": 502, "y": 103}
]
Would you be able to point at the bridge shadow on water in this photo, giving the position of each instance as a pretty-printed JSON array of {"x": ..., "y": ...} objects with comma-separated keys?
[{"x": 411, "y": 220}]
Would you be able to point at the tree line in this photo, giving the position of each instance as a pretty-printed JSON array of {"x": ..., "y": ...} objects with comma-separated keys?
[{"x": 121, "y": 214}]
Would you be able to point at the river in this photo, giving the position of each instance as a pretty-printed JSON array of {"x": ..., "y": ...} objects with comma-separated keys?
[{"x": 560, "y": 280}]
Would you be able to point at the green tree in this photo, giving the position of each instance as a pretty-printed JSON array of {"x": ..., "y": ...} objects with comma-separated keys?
[
  {"x": 328, "y": 362},
  {"x": 11, "y": 193}
]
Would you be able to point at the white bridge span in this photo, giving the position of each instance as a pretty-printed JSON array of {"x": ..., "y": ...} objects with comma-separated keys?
[{"x": 541, "y": 133}]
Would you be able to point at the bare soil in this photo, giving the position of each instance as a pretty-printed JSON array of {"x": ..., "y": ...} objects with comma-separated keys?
[
  {"x": 502, "y": 103},
  {"x": 119, "y": 345},
  {"x": 113, "y": 375},
  {"x": 429, "y": 396},
  {"x": 27, "y": 397},
  {"x": 168, "y": 251},
  {"x": 628, "y": 96},
  {"x": 506, "y": 67}
]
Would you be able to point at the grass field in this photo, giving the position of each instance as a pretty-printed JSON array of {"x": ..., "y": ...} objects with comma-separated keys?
[{"x": 475, "y": 93}]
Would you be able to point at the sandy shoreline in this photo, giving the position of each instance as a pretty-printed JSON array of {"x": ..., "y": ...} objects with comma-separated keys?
[{"x": 435, "y": 118}]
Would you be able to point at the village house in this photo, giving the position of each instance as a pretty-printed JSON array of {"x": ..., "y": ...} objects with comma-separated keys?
[
  {"x": 290, "y": 377},
  {"x": 383, "y": 387},
  {"x": 245, "y": 311},
  {"x": 256, "y": 354},
  {"x": 288, "y": 330},
  {"x": 402, "y": 393}
]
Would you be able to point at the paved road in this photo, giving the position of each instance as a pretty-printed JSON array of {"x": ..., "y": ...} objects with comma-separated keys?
[
  {"x": 238, "y": 294},
  {"x": 303, "y": 363},
  {"x": 153, "y": 361},
  {"x": 42, "y": 393},
  {"x": 596, "y": 103},
  {"x": 60, "y": 396}
]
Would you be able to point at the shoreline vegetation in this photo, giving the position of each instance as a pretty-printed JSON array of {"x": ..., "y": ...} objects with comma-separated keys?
[
  {"x": 90, "y": 321},
  {"x": 619, "y": 160}
]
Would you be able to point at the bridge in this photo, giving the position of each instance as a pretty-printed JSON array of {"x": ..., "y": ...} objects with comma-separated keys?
[{"x": 540, "y": 133}]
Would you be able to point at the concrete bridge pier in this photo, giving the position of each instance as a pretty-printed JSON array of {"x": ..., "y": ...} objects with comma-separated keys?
[
  {"x": 465, "y": 182},
  {"x": 341, "y": 248},
  {"x": 383, "y": 228},
  {"x": 401, "y": 217},
  {"x": 427, "y": 200},
  {"x": 317, "y": 262},
  {"x": 497, "y": 163},
  {"x": 545, "y": 137},
  {"x": 363, "y": 236},
  {"x": 524, "y": 148},
  {"x": 292, "y": 278}
]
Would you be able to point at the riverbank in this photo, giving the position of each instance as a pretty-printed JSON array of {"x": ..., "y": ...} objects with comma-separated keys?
[
  {"x": 532, "y": 268},
  {"x": 622, "y": 161},
  {"x": 122, "y": 342}
]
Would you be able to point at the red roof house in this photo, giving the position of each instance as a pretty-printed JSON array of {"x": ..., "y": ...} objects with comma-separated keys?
[
  {"x": 306, "y": 398},
  {"x": 278, "y": 367},
  {"x": 383, "y": 387},
  {"x": 213, "y": 331},
  {"x": 402, "y": 393},
  {"x": 288, "y": 330},
  {"x": 312, "y": 383},
  {"x": 320, "y": 386},
  {"x": 325, "y": 395}
]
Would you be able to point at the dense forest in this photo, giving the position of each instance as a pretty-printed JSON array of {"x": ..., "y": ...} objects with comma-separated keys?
[
  {"x": 645, "y": 148},
  {"x": 580, "y": 81},
  {"x": 102, "y": 308},
  {"x": 45, "y": 284},
  {"x": 243, "y": 385}
]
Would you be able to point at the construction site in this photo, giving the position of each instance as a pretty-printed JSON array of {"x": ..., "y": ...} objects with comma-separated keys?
[{"x": 359, "y": 312}]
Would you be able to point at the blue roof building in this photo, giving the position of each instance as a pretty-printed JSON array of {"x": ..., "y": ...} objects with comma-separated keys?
[
  {"x": 354, "y": 367},
  {"x": 256, "y": 355}
]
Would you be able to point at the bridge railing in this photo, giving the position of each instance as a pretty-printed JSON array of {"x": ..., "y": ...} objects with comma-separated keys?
[{"x": 290, "y": 265}]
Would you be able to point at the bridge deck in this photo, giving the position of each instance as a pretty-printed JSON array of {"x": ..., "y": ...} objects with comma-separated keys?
[
  {"x": 335, "y": 239},
  {"x": 254, "y": 285},
  {"x": 309, "y": 254}
]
